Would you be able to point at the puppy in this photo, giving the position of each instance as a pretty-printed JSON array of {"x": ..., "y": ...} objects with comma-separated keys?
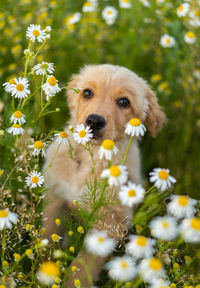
[{"x": 110, "y": 96}]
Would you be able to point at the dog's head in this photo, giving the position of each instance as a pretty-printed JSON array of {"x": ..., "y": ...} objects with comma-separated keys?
[{"x": 110, "y": 96}]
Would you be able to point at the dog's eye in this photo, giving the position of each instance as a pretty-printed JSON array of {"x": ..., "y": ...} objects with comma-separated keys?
[
  {"x": 87, "y": 94},
  {"x": 123, "y": 102}
]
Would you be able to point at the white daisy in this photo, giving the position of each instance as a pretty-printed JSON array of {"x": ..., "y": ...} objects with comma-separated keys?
[
  {"x": 182, "y": 206},
  {"x": 48, "y": 29},
  {"x": 109, "y": 14},
  {"x": 17, "y": 116},
  {"x": 34, "y": 32},
  {"x": 122, "y": 268},
  {"x": 164, "y": 228},
  {"x": 89, "y": 6},
  {"x": 7, "y": 218},
  {"x": 140, "y": 247},
  {"x": 47, "y": 272},
  {"x": 190, "y": 230},
  {"x": 75, "y": 18},
  {"x": 38, "y": 147},
  {"x": 98, "y": 243},
  {"x": 125, "y": 4},
  {"x": 20, "y": 89},
  {"x": 151, "y": 269},
  {"x": 161, "y": 178},
  {"x": 8, "y": 85},
  {"x": 107, "y": 149},
  {"x": 131, "y": 194},
  {"x": 183, "y": 9},
  {"x": 43, "y": 68},
  {"x": 190, "y": 37},
  {"x": 61, "y": 137},
  {"x": 135, "y": 128},
  {"x": 82, "y": 134},
  {"x": 160, "y": 283},
  {"x": 145, "y": 3},
  {"x": 15, "y": 129},
  {"x": 194, "y": 18},
  {"x": 34, "y": 179},
  {"x": 117, "y": 175},
  {"x": 167, "y": 41},
  {"x": 51, "y": 86}
]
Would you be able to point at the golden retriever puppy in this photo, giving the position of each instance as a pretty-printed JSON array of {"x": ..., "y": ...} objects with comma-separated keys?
[{"x": 110, "y": 96}]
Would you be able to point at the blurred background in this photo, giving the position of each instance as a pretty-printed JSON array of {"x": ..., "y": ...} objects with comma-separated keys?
[{"x": 130, "y": 36}]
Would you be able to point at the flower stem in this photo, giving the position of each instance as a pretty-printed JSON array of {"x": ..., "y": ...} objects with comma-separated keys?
[
  {"x": 3, "y": 246},
  {"x": 125, "y": 155}
]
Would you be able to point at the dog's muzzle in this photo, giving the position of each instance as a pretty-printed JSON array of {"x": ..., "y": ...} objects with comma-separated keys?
[{"x": 96, "y": 123}]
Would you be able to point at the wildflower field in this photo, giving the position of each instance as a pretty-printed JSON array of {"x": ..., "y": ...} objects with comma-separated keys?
[{"x": 42, "y": 43}]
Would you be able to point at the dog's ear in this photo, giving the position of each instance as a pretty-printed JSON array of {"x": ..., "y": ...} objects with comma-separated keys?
[
  {"x": 72, "y": 96},
  {"x": 156, "y": 117}
]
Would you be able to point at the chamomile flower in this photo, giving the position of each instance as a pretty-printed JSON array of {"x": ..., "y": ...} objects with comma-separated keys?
[
  {"x": 117, "y": 175},
  {"x": 89, "y": 6},
  {"x": 51, "y": 86},
  {"x": 43, "y": 68},
  {"x": 126, "y": 4},
  {"x": 7, "y": 218},
  {"x": 15, "y": 129},
  {"x": 47, "y": 272},
  {"x": 194, "y": 18},
  {"x": 74, "y": 18},
  {"x": 190, "y": 230},
  {"x": 34, "y": 32},
  {"x": 34, "y": 179},
  {"x": 122, "y": 268},
  {"x": 190, "y": 37},
  {"x": 8, "y": 85},
  {"x": 55, "y": 237},
  {"x": 182, "y": 206},
  {"x": 131, "y": 194},
  {"x": 151, "y": 269},
  {"x": 160, "y": 283},
  {"x": 107, "y": 149},
  {"x": 145, "y": 3},
  {"x": 140, "y": 246},
  {"x": 82, "y": 134},
  {"x": 183, "y": 9},
  {"x": 164, "y": 228},
  {"x": 161, "y": 178},
  {"x": 109, "y": 14},
  {"x": 17, "y": 116},
  {"x": 167, "y": 41},
  {"x": 135, "y": 128},
  {"x": 38, "y": 147},
  {"x": 98, "y": 243},
  {"x": 61, "y": 137},
  {"x": 20, "y": 89}
]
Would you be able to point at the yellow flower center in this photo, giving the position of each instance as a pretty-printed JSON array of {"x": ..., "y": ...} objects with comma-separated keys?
[
  {"x": 163, "y": 175},
  {"x": 35, "y": 179},
  {"x": 36, "y": 33},
  {"x": 115, "y": 171},
  {"x": 50, "y": 269},
  {"x": 20, "y": 87},
  {"x": 108, "y": 144},
  {"x": 155, "y": 264},
  {"x": 101, "y": 239},
  {"x": 141, "y": 241},
  {"x": 195, "y": 223},
  {"x": 16, "y": 126},
  {"x": 165, "y": 224},
  {"x": 135, "y": 122},
  {"x": 196, "y": 13},
  {"x": 167, "y": 40},
  {"x": 12, "y": 81},
  {"x": 38, "y": 145},
  {"x": 63, "y": 134},
  {"x": 3, "y": 213},
  {"x": 183, "y": 200},
  {"x": 124, "y": 264},
  {"x": 109, "y": 12},
  {"x": 52, "y": 81},
  {"x": 190, "y": 34},
  {"x": 55, "y": 237},
  {"x": 131, "y": 193},
  {"x": 180, "y": 8},
  {"x": 82, "y": 133},
  {"x": 126, "y": 1},
  {"x": 77, "y": 283},
  {"x": 44, "y": 66},
  {"x": 87, "y": 4},
  {"x": 17, "y": 114}
]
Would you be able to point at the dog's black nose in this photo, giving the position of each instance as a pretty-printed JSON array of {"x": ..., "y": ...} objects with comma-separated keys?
[{"x": 95, "y": 122}]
